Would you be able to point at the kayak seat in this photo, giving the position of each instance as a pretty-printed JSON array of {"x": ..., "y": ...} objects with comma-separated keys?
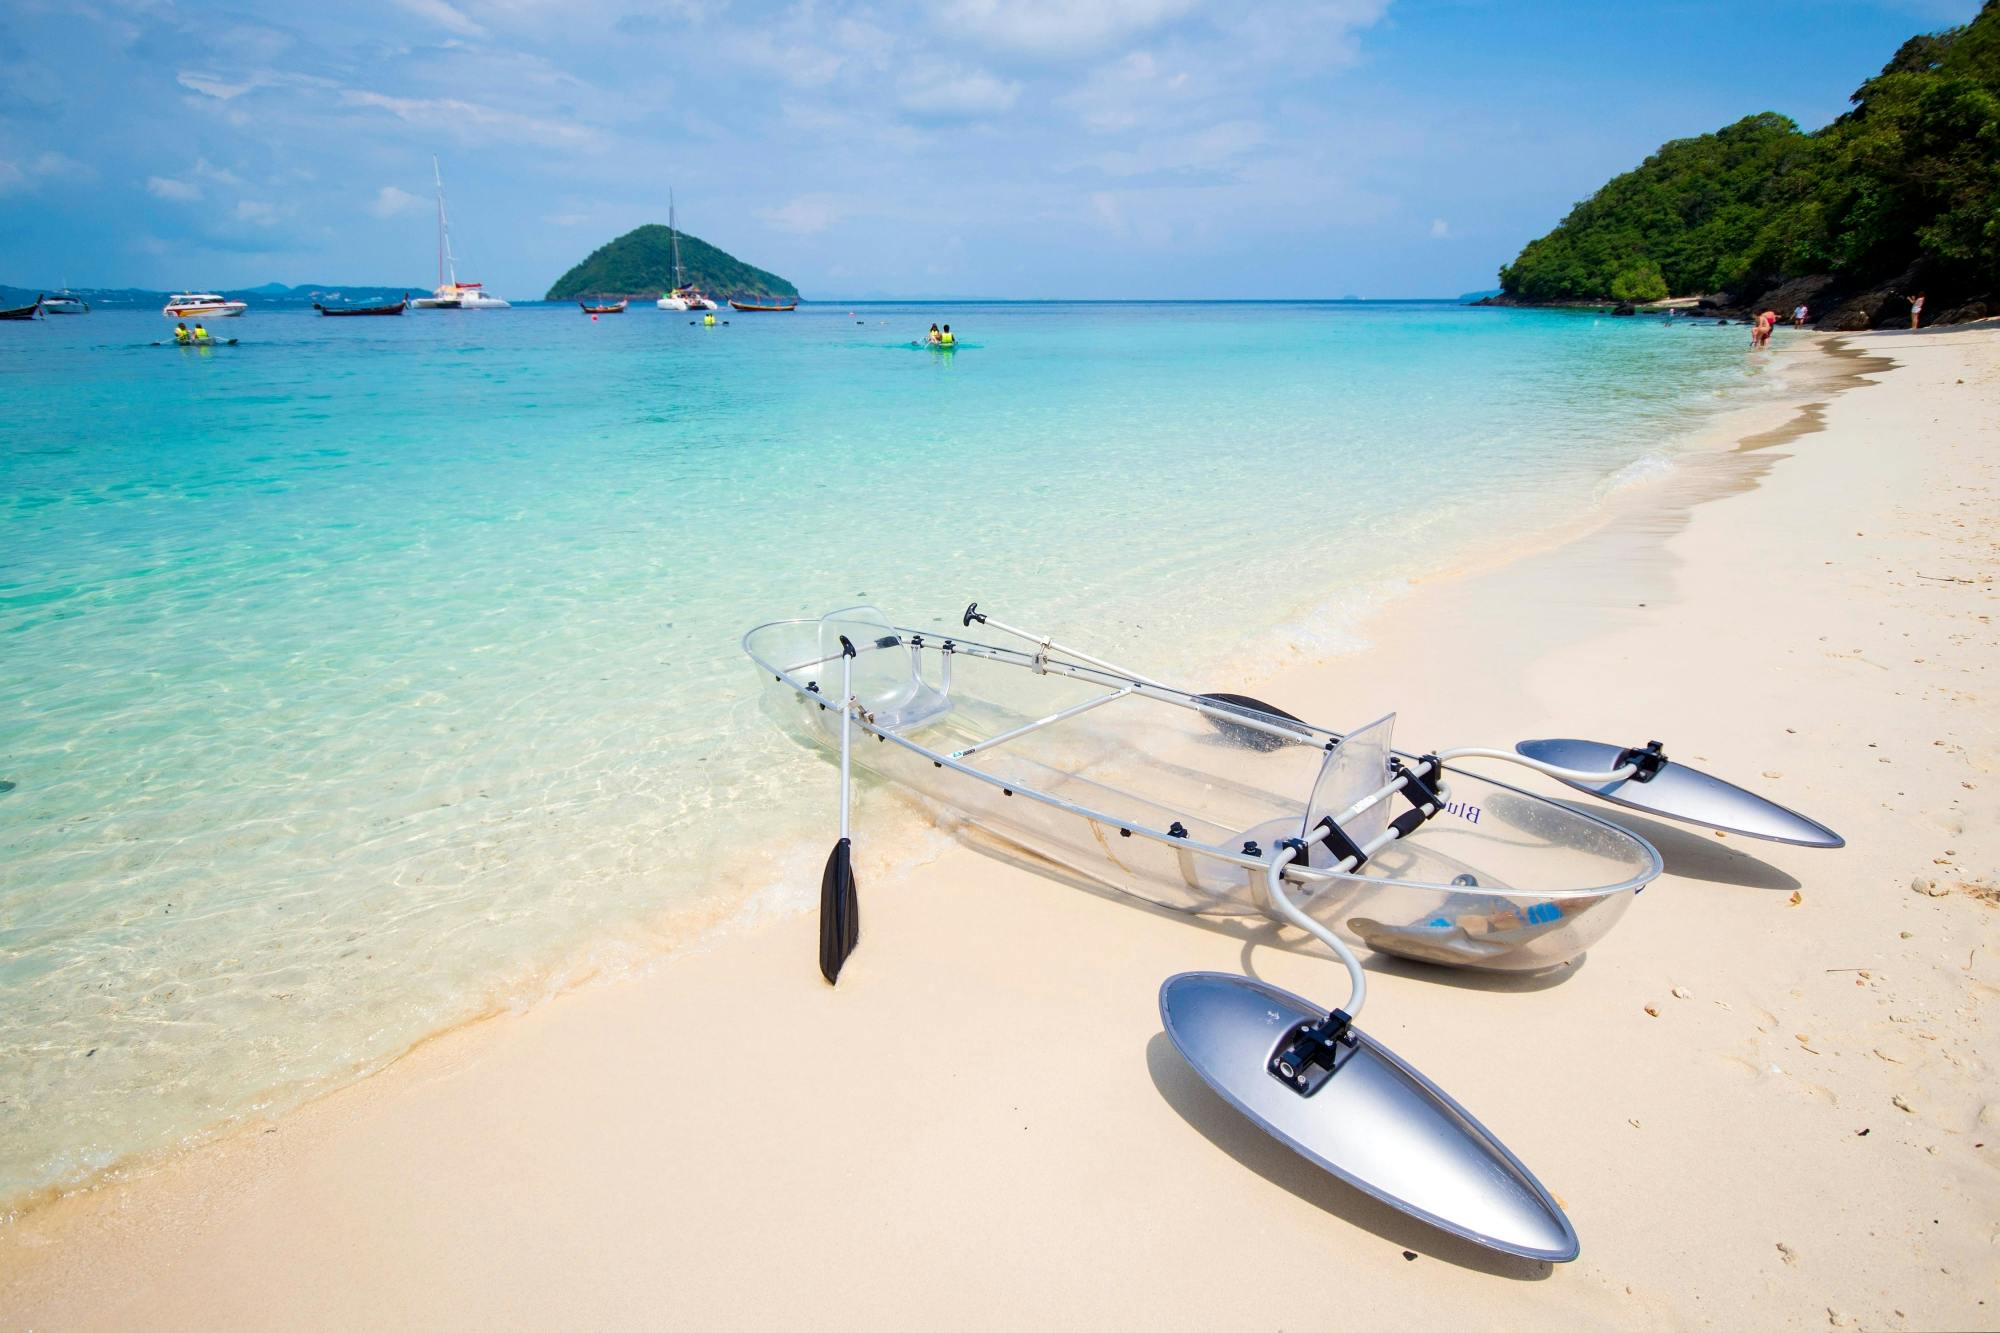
[{"x": 885, "y": 676}]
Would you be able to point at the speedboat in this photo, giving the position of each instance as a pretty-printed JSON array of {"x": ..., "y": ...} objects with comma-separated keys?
[
  {"x": 202, "y": 305},
  {"x": 1218, "y": 804},
  {"x": 65, "y": 304}
]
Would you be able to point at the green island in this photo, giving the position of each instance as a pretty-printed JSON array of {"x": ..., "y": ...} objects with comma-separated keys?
[
  {"x": 1901, "y": 194},
  {"x": 640, "y": 265}
]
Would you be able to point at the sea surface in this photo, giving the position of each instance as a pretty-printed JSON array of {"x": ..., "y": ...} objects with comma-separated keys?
[{"x": 372, "y": 674}]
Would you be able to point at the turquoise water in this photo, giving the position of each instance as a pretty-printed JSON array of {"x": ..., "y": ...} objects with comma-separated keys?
[{"x": 374, "y": 673}]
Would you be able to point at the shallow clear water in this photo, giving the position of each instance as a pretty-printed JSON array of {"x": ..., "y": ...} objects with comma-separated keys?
[{"x": 374, "y": 672}]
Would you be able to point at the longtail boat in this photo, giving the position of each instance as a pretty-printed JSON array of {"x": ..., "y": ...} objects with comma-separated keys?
[
  {"x": 395, "y": 309},
  {"x": 615, "y": 309},
  {"x": 744, "y": 305},
  {"x": 23, "y": 311}
]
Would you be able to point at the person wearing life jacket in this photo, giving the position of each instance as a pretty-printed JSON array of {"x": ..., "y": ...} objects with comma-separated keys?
[
  {"x": 934, "y": 336},
  {"x": 946, "y": 339},
  {"x": 200, "y": 333},
  {"x": 709, "y": 319},
  {"x": 181, "y": 333}
]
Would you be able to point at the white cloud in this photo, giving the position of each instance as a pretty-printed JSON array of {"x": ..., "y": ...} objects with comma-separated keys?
[
  {"x": 954, "y": 92},
  {"x": 28, "y": 174},
  {"x": 166, "y": 187},
  {"x": 471, "y": 120},
  {"x": 1135, "y": 90},
  {"x": 214, "y": 85},
  {"x": 806, "y": 214},
  {"x": 1211, "y": 149},
  {"x": 1440, "y": 228},
  {"x": 1059, "y": 28},
  {"x": 207, "y": 170},
  {"x": 390, "y": 201},
  {"x": 257, "y": 212},
  {"x": 444, "y": 15}
]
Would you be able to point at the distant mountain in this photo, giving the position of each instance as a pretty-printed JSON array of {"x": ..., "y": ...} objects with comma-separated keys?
[
  {"x": 270, "y": 294},
  {"x": 640, "y": 264},
  {"x": 1469, "y": 297}
]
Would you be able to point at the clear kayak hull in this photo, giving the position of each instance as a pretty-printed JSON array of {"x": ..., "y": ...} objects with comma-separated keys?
[{"x": 1110, "y": 781}]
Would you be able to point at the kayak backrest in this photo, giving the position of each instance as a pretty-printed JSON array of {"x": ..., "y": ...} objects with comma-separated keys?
[
  {"x": 885, "y": 679},
  {"x": 1356, "y": 766}
]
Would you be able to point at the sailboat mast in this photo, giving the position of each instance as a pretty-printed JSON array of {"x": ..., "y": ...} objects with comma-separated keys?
[
  {"x": 673, "y": 230},
  {"x": 447, "y": 264}
]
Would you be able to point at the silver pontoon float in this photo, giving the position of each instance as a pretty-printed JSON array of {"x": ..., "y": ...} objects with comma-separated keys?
[{"x": 1217, "y": 804}]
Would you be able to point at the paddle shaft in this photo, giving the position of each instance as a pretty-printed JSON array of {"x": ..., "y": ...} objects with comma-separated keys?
[{"x": 846, "y": 728}]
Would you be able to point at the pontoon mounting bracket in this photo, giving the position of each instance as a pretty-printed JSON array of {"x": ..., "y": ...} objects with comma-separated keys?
[
  {"x": 1310, "y": 1053},
  {"x": 1648, "y": 759}
]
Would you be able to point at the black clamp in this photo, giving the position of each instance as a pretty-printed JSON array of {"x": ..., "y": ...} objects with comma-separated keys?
[
  {"x": 846, "y": 646},
  {"x": 1341, "y": 846},
  {"x": 1420, "y": 790},
  {"x": 1310, "y": 1053},
  {"x": 1252, "y": 849},
  {"x": 1177, "y": 830},
  {"x": 972, "y": 615},
  {"x": 916, "y": 641},
  {"x": 1649, "y": 760}
]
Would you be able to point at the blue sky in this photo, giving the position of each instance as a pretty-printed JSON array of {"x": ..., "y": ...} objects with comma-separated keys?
[{"x": 1090, "y": 148}]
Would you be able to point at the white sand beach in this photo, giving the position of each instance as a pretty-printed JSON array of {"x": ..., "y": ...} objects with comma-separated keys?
[{"x": 1767, "y": 1100}]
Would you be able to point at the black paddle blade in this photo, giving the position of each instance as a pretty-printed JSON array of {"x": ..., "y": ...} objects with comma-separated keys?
[
  {"x": 839, "y": 912},
  {"x": 1256, "y": 740}
]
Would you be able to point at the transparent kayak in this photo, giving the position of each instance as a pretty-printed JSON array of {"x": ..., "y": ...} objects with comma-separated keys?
[{"x": 1182, "y": 799}]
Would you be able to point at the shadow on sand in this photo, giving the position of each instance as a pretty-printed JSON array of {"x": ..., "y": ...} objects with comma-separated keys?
[{"x": 1695, "y": 853}]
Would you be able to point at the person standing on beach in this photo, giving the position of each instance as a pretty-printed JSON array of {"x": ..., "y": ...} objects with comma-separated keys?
[
  {"x": 1798, "y": 317},
  {"x": 1916, "y": 309},
  {"x": 1766, "y": 321}
]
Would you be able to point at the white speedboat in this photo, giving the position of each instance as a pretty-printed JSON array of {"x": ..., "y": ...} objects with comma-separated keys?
[
  {"x": 451, "y": 294},
  {"x": 201, "y": 305},
  {"x": 682, "y": 297},
  {"x": 66, "y": 304}
]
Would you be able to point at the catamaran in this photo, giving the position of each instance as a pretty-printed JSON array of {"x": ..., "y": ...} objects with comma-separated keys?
[
  {"x": 682, "y": 297},
  {"x": 1216, "y": 804},
  {"x": 202, "y": 305},
  {"x": 451, "y": 294}
]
